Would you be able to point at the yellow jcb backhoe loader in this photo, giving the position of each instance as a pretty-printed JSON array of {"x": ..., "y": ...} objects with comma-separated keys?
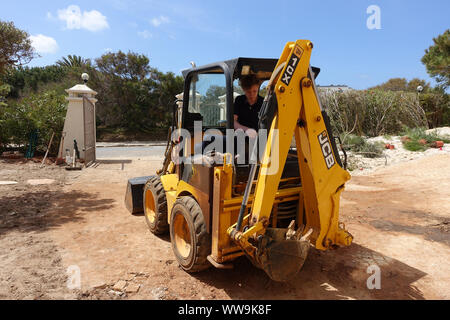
[{"x": 270, "y": 210}]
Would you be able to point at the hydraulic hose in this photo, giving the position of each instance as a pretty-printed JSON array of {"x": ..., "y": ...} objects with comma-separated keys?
[{"x": 253, "y": 167}]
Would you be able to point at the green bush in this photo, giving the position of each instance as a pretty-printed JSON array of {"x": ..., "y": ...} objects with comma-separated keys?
[
  {"x": 359, "y": 145},
  {"x": 44, "y": 112},
  {"x": 414, "y": 135},
  {"x": 372, "y": 112},
  {"x": 436, "y": 105},
  {"x": 414, "y": 146},
  {"x": 420, "y": 133}
]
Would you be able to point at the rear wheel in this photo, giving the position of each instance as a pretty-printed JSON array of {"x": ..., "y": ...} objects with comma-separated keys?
[
  {"x": 191, "y": 243},
  {"x": 155, "y": 206}
]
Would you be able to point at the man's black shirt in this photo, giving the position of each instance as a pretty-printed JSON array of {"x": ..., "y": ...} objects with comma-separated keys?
[{"x": 247, "y": 114}]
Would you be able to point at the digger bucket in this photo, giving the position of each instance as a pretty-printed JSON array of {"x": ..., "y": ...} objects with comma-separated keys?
[{"x": 282, "y": 259}]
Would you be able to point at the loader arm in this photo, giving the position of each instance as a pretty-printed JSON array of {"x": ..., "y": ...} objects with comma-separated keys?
[{"x": 299, "y": 114}]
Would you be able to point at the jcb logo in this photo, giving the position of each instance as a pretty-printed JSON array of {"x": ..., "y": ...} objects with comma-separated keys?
[
  {"x": 327, "y": 151},
  {"x": 292, "y": 66}
]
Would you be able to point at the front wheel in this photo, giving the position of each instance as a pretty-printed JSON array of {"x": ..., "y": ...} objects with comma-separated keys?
[
  {"x": 191, "y": 243},
  {"x": 155, "y": 206}
]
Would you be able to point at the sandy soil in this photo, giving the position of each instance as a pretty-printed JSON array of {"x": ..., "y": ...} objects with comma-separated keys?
[
  {"x": 363, "y": 165},
  {"x": 399, "y": 216}
]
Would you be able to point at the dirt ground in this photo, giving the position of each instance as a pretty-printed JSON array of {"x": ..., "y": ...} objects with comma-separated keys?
[{"x": 399, "y": 216}]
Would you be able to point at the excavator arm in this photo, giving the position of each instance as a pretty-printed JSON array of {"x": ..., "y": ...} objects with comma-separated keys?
[{"x": 281, "y": 252}]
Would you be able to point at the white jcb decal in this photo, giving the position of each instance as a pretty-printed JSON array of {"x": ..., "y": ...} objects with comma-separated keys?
[{"x": 327, "y": 151}]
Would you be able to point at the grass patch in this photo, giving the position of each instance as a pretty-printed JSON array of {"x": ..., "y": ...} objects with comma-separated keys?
[
  {"x": 414, "y": 146},
  {"x": 417, "y": 139},
  {"x": 360, "y": 145}
]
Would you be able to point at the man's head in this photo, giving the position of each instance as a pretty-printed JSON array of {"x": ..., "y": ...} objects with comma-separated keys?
[{"x": 250, "y": 84}]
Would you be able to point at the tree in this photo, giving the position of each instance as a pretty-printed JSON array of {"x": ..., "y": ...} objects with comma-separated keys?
[
  {"x": 44, "y": 112},
  {"x": 165, "y": 87},
  {"x": 394, "y": 84},
  {"x": 122, "y": 82},
  {"x": 437, "y": 59},
  {"x": 212, "y": 96},
  {"x": 415, "y": 83},
  {"x": 436, "y": 104},
  {"x": 15, "y": 47},
  {"x": 73, "y": 61},
  {"x": 24, "y": 80},
  {"x": 131, "y": 66},
  {"x": 401, "y": 84}
]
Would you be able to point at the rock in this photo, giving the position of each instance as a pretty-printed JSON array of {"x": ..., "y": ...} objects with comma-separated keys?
[
  {"x": 117, "y": 293},
  {"x": 405, "y": 139},
  {"x": 7, "y": 183},
  {"x": 133, "y": 288},
  {"x": 39, "y": 182},
  {"x": 120, "y": 286},
  {"x": 423, "y": 142},
  {"x": 160, "y": 293},
  {"x": 129, "y": 277},
  {"x": 437, "y": 144},
  {"x": 389, "y": 146},
  {"x": 100, "y": 285}
]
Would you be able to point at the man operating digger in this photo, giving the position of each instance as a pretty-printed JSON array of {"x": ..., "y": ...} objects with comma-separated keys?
[{"x": 247, "y": 107}]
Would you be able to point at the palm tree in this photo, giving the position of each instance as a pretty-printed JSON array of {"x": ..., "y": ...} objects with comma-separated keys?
[{"x": 72, "y": 61}]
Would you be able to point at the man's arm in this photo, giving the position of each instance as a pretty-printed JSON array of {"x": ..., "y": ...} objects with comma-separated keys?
[
  {"x": 249, "y": 131},
  {"x": 237, "y": 125}
]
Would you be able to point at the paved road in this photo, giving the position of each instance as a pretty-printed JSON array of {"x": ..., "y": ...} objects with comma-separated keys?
[{"x": 130, "y": 151}]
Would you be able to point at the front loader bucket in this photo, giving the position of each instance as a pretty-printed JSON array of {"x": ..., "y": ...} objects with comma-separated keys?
[{"x": 282, "y": 259}]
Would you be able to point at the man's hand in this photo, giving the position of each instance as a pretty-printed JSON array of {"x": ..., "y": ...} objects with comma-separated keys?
[{"x": 251, "y": 133}]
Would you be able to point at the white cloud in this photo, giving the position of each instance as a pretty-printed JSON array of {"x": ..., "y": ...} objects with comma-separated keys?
[
  {"x": 159, "y": 21},
  {"x": 44, "y": 44},
  {"x": 88, "y": 20},
  {"x": 145, "y": 34}
]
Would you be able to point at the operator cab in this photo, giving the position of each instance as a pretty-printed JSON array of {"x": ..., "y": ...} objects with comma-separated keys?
[
  {"x": 209, "y": 95},
  {"x": 210, "y": 91}
]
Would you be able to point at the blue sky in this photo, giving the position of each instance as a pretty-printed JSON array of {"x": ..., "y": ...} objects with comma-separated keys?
[{"x": 173, "y": 33}]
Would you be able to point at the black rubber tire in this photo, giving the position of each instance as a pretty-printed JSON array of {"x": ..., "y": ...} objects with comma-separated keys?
[
  {"x": 200, "y": 240},
  {"x": 160, "y": 225}
]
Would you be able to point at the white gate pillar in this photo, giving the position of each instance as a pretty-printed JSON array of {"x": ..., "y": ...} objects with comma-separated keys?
[{"x": 74, "y": 122}]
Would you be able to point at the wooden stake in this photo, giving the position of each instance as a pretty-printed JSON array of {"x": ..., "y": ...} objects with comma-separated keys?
[{"x": 48, "y": 149}]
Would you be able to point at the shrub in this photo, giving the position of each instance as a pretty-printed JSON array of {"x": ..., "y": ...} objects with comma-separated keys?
[
  {"x": 372, "y": 112},
  {"x": 437, "y": 108},
  {"x": 414, "y": 146},
  {"x": 414, "y": 135},
  {"x": 359, "y": 145},
  {"x": 44, "y": 112}
]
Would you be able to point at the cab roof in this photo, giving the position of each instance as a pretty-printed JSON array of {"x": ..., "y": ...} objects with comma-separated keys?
[{"x": 262, "y": 67}]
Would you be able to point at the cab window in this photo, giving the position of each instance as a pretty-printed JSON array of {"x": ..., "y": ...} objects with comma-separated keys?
[{"x": 208, "y": 99}]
